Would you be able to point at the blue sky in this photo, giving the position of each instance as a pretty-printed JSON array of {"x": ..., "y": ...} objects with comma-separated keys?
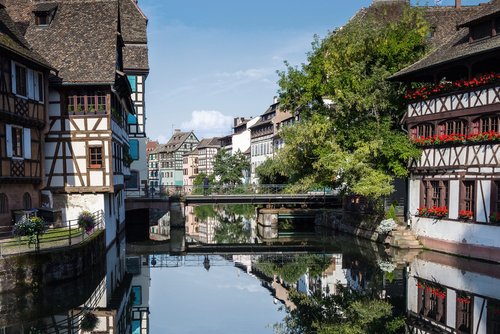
[{"x": 211, "y": 61}]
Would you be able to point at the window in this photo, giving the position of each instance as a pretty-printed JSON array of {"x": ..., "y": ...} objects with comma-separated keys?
[
  {"x": 493, "y": 316},
  {"x": 19, "y": 81},
  {"x": 27, "y": 83},
  {"x": 133, "y": 181},
  {"x": 490, "y": 123},
  {"x": 464, "y": 307},
  {"x": 468, "y": 195},
  {"x": 91, "y": 103},
  {"x": 27, "y": 201},
  {"x": 422, "y": 130},
  {"x": 481, "y": 31},
  {"x": 431, "y": 301},
  {"x": 434, "y": 193},
  {"x": 453, "y": 127},
  {"x": 95, "y": 156},
  {"x": 132, "y": 79},
  {"x": 18, "y": 141},
  {"x": 4, "y": 203}
]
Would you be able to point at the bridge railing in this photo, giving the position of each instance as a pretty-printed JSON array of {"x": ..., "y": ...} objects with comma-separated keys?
[
  {"x": 165, "y": 191},
  {"x": 55, "y": 237}
]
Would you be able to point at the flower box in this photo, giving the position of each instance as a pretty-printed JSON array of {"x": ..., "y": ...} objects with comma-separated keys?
[
  {"x": 490, "y": 136},
  {"x": 465, "y": 214},
  {"x": 435, "y": 212},
  {"x": 430, "y": 90}
]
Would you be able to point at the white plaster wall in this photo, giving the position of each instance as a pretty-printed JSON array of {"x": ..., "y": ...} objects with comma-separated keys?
[
  {"x": 241, "y": 141},
  {"x": 483, "y": 207},
  {"x": 456, "y": 231},
  {"x": 72, "y": 205},
  {"x": 414, "y": 195},
  {"x": 454, "y": 198}
]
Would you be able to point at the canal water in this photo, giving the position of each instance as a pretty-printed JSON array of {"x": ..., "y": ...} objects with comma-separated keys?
[{"x": 235, "y": 269}]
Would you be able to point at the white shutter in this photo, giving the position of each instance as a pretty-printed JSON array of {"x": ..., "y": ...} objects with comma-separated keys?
[
  {"x": 35, "y": 87},
  {"x": 8, "y": 142},
  {"x": 13, "y": 77},
  {"x": 27, "y": 143},
  {"x": 31, "y": 92}
]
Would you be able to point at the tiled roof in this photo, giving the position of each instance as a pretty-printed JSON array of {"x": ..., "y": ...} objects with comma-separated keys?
[
  {"x": 11, "y": 39},
  {"x": 486, "y": 11},
  {"x": 455, "y": 49},
  {"x": 45, "y": 7},
  {"x": 81, "y": 40},
  {"x": 209, "y": 142},
  {"x": 135, "y": 57},
  {"x": 133, "y": 22},
  {"x": 175, "y": 142},
  {"x": 134, "y": 32}
]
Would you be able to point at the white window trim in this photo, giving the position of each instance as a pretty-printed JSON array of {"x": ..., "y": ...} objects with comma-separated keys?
[{"x": 32, "y": 84}]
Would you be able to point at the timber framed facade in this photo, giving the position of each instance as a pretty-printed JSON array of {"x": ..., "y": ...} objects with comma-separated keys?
[
  {"x": 86, "y": 149},
  {"x": 23, "y": 109},
  {"x": 455, "y": 119}
]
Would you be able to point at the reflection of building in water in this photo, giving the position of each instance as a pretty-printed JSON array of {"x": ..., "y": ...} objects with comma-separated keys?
[
  {"x": 206, "y": 230},
  {"x": 191, "y": 222},
  {"x": 109, "y": 303},
  {"x": 465, "y": 298},
  {"x": 327, "y": 283},
  {"x": 141, "y": 281},
  {"x": 161, "y": 230}
]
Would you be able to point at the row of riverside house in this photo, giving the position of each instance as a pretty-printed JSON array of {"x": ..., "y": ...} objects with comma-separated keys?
[
  {"x": 76, "y": 117},
  {"x": 454, "y": 188}
]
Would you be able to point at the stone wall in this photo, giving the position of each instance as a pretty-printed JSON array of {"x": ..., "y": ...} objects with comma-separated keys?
[{"x": 34, "y": 270}]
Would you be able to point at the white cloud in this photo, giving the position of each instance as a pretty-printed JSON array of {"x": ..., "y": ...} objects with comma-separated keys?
[
  {"x": 208, "y": 123},
  {"x": 251, "y": 73}
]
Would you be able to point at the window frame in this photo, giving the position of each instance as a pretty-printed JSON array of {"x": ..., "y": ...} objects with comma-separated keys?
[
  {"x": 94, "y": 164},
  {"x": 468, "y": 203}
]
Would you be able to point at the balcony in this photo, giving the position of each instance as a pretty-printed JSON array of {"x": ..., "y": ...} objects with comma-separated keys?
[{"x": 478, "y": 97}]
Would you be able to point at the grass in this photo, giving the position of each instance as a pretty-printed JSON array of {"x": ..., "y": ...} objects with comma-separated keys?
[{"x": 52, "y": 235}]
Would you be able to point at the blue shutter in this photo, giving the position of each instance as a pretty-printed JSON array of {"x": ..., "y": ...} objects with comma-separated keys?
[
  {"x": 134, "y": 149},
  {"x": 132, "y": 79},
  {"x": 131, "y": 119},
  {"x": 8, "y": 142}
]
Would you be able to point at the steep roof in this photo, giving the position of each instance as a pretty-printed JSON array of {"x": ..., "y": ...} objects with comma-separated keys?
[
  {"x": 134, "y": 32},
  {"x": 487, "y": 11},
  {"x": 80, "y": 42},
  {"x": 209, "y": 142},
  {"x": 175, "y": 142},
  {"x": 12, "y": 40},
  {"x": 455, "y": 49}
]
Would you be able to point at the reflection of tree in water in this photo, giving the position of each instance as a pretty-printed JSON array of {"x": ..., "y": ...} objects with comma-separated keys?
[
  {"x": 290, "y": 269},
  {"x": 347, "y": 312},
  {"x": 231, "y": 227}
]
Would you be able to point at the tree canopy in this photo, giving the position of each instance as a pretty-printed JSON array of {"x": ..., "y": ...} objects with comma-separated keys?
[
  {"x": 355, "y": 142},
  {"x": 228, "y": 169}
]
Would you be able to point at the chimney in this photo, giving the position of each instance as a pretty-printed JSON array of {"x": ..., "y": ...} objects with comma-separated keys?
[
  {"x": 275, "y": 99},
  {"x": 177, "y": 130},
  {"x": 458, "y": 3}
]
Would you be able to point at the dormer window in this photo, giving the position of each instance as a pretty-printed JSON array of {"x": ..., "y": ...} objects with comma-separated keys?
[
  {"x": 44, "y": 13},
  {"x": 480, "y": 31}
]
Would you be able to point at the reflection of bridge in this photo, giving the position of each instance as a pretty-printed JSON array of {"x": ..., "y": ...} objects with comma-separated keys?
[{"x": 268, "y": 199}]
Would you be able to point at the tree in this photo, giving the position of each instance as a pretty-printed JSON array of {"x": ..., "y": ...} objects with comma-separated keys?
[
  {"x": 271, "y": 172},
  {"x": 33, "y": 228},
  {"x": 228, "y": 169},
  {"x": 198, "y": 182},
  {"x": 347, "y": 312},
  {"x": 355, "y": 143}
]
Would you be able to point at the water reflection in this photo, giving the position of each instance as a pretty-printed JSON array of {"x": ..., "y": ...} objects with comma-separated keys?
[{"x": 174, "y": 287}]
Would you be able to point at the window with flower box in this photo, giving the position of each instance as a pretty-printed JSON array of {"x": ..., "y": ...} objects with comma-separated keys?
[
  {"x": 434, "y": 193},
  {"x": 422, "y": 130},
  {"x": 493, "y": 316},
  {"x": 431, "y": 301},
  {"x": 468, "y": 196},
  {"x": 453, "y": 127},
  {"x": 464, "y": 308},
  {"x": 93, "y": 103},
  {"x": 489, "y": 124}
]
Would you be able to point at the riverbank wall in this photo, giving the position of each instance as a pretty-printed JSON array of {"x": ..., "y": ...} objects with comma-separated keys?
[{"x": 47, "y": 267}]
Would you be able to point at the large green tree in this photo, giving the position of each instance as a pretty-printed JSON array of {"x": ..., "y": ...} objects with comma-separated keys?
[
  {"x": 355, "y": 141},
  {"x": 229, "y": 169}
]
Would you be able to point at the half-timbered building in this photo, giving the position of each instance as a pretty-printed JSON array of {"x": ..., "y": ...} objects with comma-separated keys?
[
  {"x": 136, "y": 66},
  {"x": 86, "y": 139},
  {"x": 23, "y": 110},
  {"x": 454, "y": 115}
]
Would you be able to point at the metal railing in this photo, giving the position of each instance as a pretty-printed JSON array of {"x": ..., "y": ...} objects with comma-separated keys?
[
  {"x": 70, "y": 234},
  {"x": 165, "y": 191}
]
